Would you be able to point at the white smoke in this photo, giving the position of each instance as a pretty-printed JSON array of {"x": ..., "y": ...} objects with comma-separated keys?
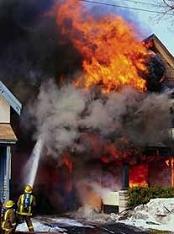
[
  {"x": 57, "y": 113},
  {"x": 64, "y": 114},
  {"x": 91, "y": 125}
]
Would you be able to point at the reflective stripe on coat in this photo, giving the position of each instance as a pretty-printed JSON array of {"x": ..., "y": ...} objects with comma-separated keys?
[
  {"x": 21, "y": 209},
  {"x": 8, "y": 220}
]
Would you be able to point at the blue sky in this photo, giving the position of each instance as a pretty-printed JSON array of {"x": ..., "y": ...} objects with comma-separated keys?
[
  {"x": 147, "y": 22},
  {"x": 160, "y": 24}
]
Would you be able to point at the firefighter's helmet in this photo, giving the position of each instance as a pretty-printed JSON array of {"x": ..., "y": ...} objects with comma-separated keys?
[
  {"x": 9, "y": 204},
  {"x": 28, "y": 189}
]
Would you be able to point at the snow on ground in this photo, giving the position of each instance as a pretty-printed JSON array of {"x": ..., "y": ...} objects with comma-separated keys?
[
  {"x": 157, "y": 214},
  {"x": 40, "y": 227},
  {"x": 66, "y": 222}
]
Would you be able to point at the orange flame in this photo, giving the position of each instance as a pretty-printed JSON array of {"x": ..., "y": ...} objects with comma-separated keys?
[
  {"x": 113, "y": 57},
  {"x": 68, "y": 163},
  {"x": 170, "y": 163},
  {"x": 138, "y": 175}
]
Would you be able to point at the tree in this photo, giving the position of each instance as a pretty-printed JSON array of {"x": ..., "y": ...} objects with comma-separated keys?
[{"x": 169, "y": 4}]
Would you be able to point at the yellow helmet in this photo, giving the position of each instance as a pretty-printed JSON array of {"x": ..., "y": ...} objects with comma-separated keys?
[
  {"x": 28, "y": 189},
  {"x": 9, "y": 204}
]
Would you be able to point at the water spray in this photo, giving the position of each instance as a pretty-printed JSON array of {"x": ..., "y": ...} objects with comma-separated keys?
[{"x": 31, "y": 167}]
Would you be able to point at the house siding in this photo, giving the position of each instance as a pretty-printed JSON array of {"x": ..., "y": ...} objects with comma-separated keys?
[{"x": 4, "y": 111}]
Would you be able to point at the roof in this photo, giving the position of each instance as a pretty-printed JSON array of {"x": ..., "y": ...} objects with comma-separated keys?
[
  {"x": 7, "y": 134},
  {"x": 157, "y": 46},
  {"x": 10, "y": 98}
]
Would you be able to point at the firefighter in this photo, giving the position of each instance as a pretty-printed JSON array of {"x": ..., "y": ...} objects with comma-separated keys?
[
  {"x": 25, "y": 204},
  {"x": 8, "y": 218}
]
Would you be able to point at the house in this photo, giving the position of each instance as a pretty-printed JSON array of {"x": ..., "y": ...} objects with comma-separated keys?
[
  {"x": 51, "y": 180},
  {"x": 164, "y": 164},
  {"x": 158, "y": 169},
  {"x": 8, "y": 103},
  {"x": 58, "y": 181}
]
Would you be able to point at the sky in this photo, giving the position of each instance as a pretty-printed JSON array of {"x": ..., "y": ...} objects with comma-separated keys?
[
  {"x": 147, "y": 22},
  {"x": 159, "y": 24}
]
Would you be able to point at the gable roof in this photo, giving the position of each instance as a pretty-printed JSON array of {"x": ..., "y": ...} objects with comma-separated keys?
[
  {"x": 10, "y": 98},
  {"x": 154, "y": 44},
  {"x": 157, "y": 46}
]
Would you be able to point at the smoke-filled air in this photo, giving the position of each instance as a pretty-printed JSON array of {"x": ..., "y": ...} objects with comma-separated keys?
[
  {"x": 102, "y": 109},
  {"x": 121, "y": 119},
  {"x": 107, "y": 96}
]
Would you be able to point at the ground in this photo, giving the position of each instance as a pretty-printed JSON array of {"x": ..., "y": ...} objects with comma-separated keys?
[
  {"x": 106, "y": 229},
  {"x": 72, "y": 226},
  {"x": 157, "y": 214}
]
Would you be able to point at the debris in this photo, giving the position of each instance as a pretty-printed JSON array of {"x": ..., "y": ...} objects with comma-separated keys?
[{"x": 153, "y": 223}]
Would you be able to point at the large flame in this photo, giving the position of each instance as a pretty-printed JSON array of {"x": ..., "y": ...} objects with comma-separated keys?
[{"x": 113, "y": 57}]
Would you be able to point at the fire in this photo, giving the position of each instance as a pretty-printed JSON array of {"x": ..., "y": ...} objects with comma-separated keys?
[
  {"x": 113, "y": 57},
  {"x": 170, "y": 163},
  {"x": 67, "y": 162},
  {"x": 138, "y": 175},
  {"x": 89, "y": 198}
]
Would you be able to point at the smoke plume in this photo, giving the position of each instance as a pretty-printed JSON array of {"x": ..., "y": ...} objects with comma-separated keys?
[
  {"x": 64, "y": 115},
  {"x": 96, "y": 129},
  {"x": 31, "y": 47}
]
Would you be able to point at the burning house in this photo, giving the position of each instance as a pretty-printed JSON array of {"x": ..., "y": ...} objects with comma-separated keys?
[
  {"x": 161, "y": 79},
  {"x": 155, "y": 166},
  {"x": 8, "y": 103},
  {"x": 107, "y": 126},
  {"x": 112, "y": 140}
]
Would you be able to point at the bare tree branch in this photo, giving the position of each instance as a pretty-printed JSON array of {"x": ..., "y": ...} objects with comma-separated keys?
[{"x": 169, "y": 4}]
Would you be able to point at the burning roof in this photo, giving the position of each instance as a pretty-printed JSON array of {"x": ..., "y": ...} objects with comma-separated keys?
[
  {"x": 164, "y": 66},
  {"x": 154, "y": 44}
]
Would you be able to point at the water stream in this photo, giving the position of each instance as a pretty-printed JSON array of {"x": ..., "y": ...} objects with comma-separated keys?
[{"x": 31, "y": 167}]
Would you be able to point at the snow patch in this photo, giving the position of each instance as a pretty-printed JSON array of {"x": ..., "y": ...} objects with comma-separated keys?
[
  {"x": 67, "y": 222},
  {"x": 40, "y": 227},
  {"x": 157, "y": 214}
]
